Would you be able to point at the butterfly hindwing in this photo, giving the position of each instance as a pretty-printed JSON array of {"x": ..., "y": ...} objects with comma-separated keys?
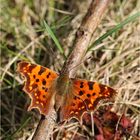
[
  {"x": 86, "y": 95},
  {"x": 38, "y": 80}
]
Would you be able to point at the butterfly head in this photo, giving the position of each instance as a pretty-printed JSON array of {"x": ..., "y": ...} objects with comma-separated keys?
[{"x": 63, "y": 78}]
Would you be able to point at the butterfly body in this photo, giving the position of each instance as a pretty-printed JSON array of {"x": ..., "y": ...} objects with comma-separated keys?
[
  {"x": 71, "y": 97},
  {"x": 64, "y": 93},
  {"x": 62, "y": 84}
]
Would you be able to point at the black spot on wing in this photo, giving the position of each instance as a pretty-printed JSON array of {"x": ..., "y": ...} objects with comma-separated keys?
[
  {"x": 34, "y": 76},
  {"x": 37, "y": 80},
  {"x": 90, "y": 84},
  {"x": 44, "y": 82},
  {"x": 48, "y": 75},
  {"x": 46, "y": 89},
  {"x": 81, "y": 84},
  {"x": 88, "y": 95},
  {"x": 81, "y": 93},
  {"x": 44, "y": 96},
  {"x": 42, "y": 69}
]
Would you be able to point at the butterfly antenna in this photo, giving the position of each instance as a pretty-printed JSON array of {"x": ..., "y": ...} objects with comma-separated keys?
[{"x": 77, "y": 65}]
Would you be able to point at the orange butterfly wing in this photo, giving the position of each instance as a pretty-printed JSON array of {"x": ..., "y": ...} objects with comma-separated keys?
[
  {"x": 81, "y": 95},
  {"x": 84, "y": 97},
  {"x": 38, "y": 80}
]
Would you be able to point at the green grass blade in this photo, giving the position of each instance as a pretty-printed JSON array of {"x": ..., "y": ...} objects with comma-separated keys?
[
  {"x": 62, "y": 22},
  {"x": 50, "y": 32},
  {"x": 116, "y": 28}
]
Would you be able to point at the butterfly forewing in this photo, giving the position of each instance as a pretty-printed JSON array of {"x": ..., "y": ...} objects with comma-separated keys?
[{"x": 38, "y": 80}]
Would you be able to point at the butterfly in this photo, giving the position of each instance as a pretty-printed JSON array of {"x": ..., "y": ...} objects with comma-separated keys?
[{"x": 71, "y": 96}]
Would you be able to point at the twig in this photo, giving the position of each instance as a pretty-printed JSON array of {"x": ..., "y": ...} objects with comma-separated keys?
[
  {"x": 83, "y": 37},
  {"x": 84, "y": 34}
]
